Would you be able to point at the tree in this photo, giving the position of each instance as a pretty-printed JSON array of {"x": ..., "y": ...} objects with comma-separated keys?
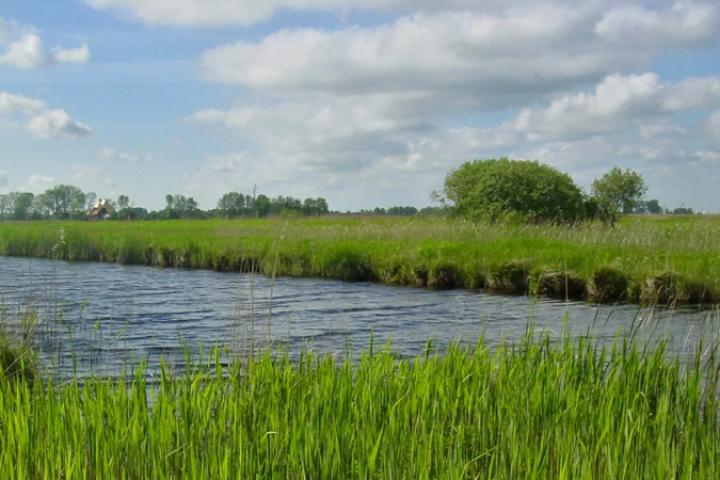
[
  {"x": 232, "y": 204},
  {"x": 123, "y": 202},
  {"x": 491, "y": 190},
  {"x": 22, "y": 208},
  {"x": 618, "y": 191},
  {"x": 64, "y": 201},
  {"x": 6, "y": 206},
  {"x": 262, "y": 205}
]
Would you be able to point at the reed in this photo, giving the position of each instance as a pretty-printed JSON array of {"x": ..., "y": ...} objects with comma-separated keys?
[
  {"x": 666, "y": 260},
  {"x": 533, "y": 409}
]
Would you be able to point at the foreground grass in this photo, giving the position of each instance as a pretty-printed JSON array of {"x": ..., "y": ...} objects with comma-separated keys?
[
  {"x": 534, "y": 410},
  {"x": 668, "y": 260}
]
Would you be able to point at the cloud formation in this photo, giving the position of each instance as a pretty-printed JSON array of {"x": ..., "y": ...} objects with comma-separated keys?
[
  {"x": 633, "y": 120},
  {"x": 22, "y": 47},
  {"x": 38, "y": 118}
]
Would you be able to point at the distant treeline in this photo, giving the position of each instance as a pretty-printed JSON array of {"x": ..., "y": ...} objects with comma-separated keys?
[{"x": 70, "y": 202}]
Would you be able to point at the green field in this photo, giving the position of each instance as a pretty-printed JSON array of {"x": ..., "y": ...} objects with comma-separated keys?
[
  {"x": 533, "y": 410},
  {"x": 666, "y": 260}
]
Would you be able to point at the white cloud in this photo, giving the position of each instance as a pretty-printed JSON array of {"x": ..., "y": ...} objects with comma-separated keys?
[
  {"x": 623, "y": 15},
  {"x": 3, "y": 179},
  {"x": 22, "y": 47},
  {"x": 26, "y": 52},
  {"x": 123, "y": 157},
  {"x": 40, "y": 120},
  {"x": 684, "y": 23},
  {"x": 11, "y": 104},
  {"x": 452, "y": 61},
  {"x": 618, "y": 102},
  {"x": 71, "y": 55},
  {"x": 446, "y": 52},
  {"x": 56, "y": 123}
]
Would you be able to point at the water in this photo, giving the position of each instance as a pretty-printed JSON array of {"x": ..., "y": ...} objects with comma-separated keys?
[{"x": 100, "y": 318}]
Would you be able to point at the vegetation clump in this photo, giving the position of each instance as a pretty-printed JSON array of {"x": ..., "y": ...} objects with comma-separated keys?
[
  {"x": 444, "y": 277},
  {"x": 510, "y": 277},
  {"x": 608, "y": 285},
  {"x": 563, "y": 285}
]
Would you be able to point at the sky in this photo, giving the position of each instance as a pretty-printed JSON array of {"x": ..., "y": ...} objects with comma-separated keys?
[{"x": 364, "y": 102}]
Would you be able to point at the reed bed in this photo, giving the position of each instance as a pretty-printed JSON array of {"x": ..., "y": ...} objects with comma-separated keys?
[
  {"x": 533, "y": 409},
  {"x": 643, "y": 260}
]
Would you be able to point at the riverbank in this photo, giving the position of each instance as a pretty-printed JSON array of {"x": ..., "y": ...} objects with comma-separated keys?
[
  {"x": 643, "y": 260},
  {"x": 533, "y": 409}
]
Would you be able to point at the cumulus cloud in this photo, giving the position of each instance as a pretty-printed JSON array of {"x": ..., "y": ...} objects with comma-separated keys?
[
  {"x": 38, "y": 118},
  {"x": 619, "y": 101},
  {"x": 56, "y": 123},
  {"x": 22, "y": 47},
  {"x": 450, "y": 61}
]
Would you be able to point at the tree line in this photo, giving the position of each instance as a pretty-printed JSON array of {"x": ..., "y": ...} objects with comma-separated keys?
[{"x": 68, "y": 202}]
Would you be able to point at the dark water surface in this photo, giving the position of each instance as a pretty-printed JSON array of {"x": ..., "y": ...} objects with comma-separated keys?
[{"x": 102, "y": 317}]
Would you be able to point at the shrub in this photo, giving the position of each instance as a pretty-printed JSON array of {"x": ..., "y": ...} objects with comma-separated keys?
[{"x": 492, "y": 190}]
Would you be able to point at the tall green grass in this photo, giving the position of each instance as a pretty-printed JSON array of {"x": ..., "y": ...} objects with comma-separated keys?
[
  {"x": 535, "y": 409},
  {"x": 646, "y": 260}
]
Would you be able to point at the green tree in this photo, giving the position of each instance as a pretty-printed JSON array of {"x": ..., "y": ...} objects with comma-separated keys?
[
  {"x": 64, "y": 201},
  {"x": 618, "y": 191},
  {"x": 6, "y": 206},
  {"x": 262, "y": 205},
  {"x": 123, "y": 202},
  {"x": 23, "y": 206},
  {"x": 653, "y": 206},
  {"x": 232, "y": 204},
  {"x": 491, "y": 190}
]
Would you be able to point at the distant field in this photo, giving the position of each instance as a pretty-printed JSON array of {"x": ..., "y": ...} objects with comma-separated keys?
[{"x": 668, "y": 260}]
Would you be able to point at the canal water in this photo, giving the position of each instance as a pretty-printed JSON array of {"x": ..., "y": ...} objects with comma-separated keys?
[{"x": 99, "y": 319}]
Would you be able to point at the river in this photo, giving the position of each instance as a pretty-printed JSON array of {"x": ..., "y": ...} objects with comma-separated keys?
[{"x": 100, "y": 318}]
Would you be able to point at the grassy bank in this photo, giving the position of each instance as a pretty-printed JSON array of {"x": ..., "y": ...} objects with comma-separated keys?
[
  {"x": 668, "y": 260},
  {"x": 533, "y": 410}
]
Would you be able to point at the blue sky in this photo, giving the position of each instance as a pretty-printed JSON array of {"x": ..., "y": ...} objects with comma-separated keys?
[{"x": 367, "y": 105}]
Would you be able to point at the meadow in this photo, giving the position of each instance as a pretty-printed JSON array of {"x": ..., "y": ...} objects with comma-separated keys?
[
  {"x": 533, "y": 409},
  {"x": 670, "y": 260}
]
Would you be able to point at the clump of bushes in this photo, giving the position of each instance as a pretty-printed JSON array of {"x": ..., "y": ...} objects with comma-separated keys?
[{"x": 491, "y": 190}]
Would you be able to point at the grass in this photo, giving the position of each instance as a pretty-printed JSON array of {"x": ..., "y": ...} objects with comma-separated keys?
[
  {"x": 535, "y": 409},
  {"x": 670, "y": 260}
]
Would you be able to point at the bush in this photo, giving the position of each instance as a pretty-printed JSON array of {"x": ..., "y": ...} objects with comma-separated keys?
[{"x": 492, "y": 190}]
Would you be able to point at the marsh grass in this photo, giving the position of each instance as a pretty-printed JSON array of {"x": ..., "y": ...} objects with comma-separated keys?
[
  {"x": 532, "y": 409},
  {"x": 646, "y": 260}
]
